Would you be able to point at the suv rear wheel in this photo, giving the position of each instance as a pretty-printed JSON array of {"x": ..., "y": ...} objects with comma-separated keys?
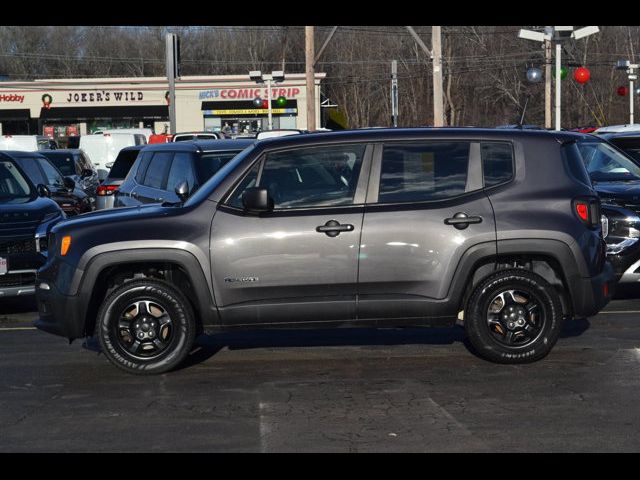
[
  {"x": 146, "y": 326},
  {"x": 513, "y": 316}
]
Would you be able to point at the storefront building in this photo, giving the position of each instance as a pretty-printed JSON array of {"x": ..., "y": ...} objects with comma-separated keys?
[{"x": 61, "y": 108}]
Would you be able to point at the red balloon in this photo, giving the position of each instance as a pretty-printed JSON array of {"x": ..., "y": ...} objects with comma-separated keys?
[
  {"x": 582, "y": 75},
  {"x": 622, "y": 91},
  {"x": 265, "y": 103}
]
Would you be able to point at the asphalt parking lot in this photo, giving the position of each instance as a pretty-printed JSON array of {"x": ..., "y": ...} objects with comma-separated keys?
[{"x": 361, "y": 390}]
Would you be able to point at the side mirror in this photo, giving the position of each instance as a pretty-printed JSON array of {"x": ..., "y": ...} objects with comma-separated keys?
[
  {"x": 69, "y": 184},
  {"x": 257, "y": 200},
  {"x": 182, "y": 191},
  {"x": 86, "y": 173},
  {"x": 43, "y": 190}
]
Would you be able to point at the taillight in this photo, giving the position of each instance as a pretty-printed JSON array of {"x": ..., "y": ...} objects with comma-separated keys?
[
  {"x": 587, "y": 210},
  {"x": 106, "y": 190}
]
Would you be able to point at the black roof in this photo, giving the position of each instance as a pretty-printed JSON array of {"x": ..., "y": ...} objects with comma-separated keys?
[
  {"x": 611, "y": 135},
  {"x": 73, "y": 151},
  {"x": 201, "y": 145},
  {"x": 19, "y": 154},
  {"x": 377, "y": 134}
]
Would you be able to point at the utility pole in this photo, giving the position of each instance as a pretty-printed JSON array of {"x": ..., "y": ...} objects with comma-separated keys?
[
  {"x": 310, "y": 70},
  {"x": 436, "y": 55},
  {"x": 173, "y": 61},
  {"x": 438, "y": 103},
  {"x": 394, "y": 93},
  {"x": 547, "y": 84}
]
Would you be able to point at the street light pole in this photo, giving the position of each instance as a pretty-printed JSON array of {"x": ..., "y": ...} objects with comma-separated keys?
[
  {"x": 268, "y": 79},
  {"x": 558, "y": 85},
  {"x": 274, "y": 78},
  {"x": 630, "y": 69},
  {"x": 558, "y": 34},
  {"x": 632, "y": 77}
]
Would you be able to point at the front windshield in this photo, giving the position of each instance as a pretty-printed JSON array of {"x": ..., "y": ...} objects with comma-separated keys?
[
  {"x": 605, "y": 164},
  {"x": 12, "y": 183}
]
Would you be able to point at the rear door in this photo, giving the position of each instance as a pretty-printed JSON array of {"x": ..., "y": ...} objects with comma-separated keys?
[{"x": 413, "y": 237}]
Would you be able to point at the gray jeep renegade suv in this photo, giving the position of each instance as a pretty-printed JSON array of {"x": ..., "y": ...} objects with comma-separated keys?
[{"x": 380, "y": 227}]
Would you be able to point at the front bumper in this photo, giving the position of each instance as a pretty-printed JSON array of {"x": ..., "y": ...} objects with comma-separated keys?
[
  {"x": 57, "y": 312},
  {"x": 590, "y": 295}
]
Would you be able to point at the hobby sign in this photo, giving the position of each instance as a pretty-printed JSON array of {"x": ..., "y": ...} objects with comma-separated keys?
[{"x": 11, "y": 97}]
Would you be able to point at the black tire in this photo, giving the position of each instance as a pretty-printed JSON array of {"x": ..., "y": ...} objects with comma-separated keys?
[
  {"x": 502, "y": 329},
  {"x": 140, "y": 304}
]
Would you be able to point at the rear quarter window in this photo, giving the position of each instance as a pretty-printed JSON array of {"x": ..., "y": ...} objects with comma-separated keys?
[
  {"x": 574, "y": 163},
  {"x": 497, "y": 162}
]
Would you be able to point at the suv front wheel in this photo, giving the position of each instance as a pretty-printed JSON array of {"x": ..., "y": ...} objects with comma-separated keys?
[
  {"x": 513, "y": 316},
  {"x": 146, "y": 326}
]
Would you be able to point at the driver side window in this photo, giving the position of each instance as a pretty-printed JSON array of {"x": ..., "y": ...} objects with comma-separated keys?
[
  {"x": 53, "y": 176},
  {"x": 313, "y": 177}
]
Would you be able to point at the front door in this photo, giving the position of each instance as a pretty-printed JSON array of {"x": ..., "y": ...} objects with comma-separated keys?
[
  {"x": 426, "y": 206},
  {"x": 298, "y": 263}
]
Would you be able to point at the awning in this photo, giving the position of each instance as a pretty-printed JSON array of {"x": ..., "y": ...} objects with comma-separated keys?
[
  {"x": 244, "y": 108},
  {"x": 160, "y": 112},
  {"x": 15, "y": 114}
]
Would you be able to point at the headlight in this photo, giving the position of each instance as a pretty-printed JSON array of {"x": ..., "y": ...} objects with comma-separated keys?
[
  {"x": 604, "y": 222},
  {"x": 616, "y": 248}
]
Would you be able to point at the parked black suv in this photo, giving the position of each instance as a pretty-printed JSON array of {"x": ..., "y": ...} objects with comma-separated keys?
[
  {"x": 162, "y": 167},
  {"x": 64, "y": 191},
  {"x": 75, "y": 164},
  {"x": 25, "y": 219},
  {"x": 380, "y": 227}
]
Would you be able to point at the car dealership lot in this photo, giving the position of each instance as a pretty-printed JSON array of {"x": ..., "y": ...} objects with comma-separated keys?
[{"x": 325, "y": 390}]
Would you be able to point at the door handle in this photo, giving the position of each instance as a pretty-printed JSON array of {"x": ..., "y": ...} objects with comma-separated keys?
[
  {"x": 134, "y": 194},
  {"x": 160, "y": 199},
  {"x": 461, "y": 221},
  {"x": 333, "y": 228}
]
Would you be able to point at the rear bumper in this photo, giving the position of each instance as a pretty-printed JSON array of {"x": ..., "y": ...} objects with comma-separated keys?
[{"x": 590, "y": 295}]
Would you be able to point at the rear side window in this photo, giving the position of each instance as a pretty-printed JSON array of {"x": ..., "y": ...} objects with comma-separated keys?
[
  {"x": 423, "y": 172},
  {"x": 497, "y": 162},
  {"x": 574, "y": 163},
  {"x": 142, "y": 167},
  {"x": 157, "y": 171}
]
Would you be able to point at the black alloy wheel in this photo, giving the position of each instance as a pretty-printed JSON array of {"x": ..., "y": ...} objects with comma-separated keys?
[
  {"x": 146, "y": 326},
  {"x": 513, "y": 316}
]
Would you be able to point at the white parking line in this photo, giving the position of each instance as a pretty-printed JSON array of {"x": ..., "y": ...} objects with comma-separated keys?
[
  {"x": 11, "y": 329},
  {"x": 619, "y": 311}
]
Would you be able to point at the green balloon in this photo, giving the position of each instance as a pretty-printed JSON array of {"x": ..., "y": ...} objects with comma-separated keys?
[
  {"x": 281, "y": 101},
  {"x": 563, "y": 72}
]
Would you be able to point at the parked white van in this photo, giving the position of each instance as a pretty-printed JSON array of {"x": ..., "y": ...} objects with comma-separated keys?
[
  {"x": 104, "y": 148},
  {"x": 147, "y": 132},
  {"x": 26, "y": 143}
]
